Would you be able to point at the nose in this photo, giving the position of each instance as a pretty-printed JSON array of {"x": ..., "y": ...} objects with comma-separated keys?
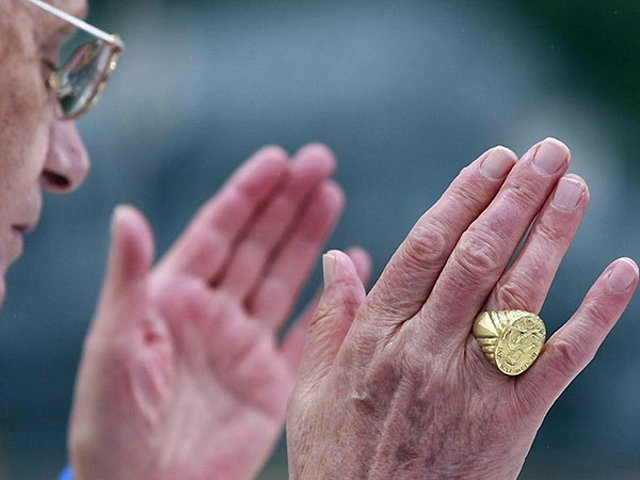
[{"x": 67, "y": 162}]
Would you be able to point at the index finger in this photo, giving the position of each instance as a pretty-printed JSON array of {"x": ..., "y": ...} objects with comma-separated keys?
[
  {"x": 411, "y": 273},
  {"x": 202, "y": 249}
]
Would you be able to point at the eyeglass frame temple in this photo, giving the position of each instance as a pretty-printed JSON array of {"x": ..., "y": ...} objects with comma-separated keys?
[{"x": 113, "y": 40}]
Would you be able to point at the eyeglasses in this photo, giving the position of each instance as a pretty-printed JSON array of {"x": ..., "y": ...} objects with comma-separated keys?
[{"x": 78, "y": 82}]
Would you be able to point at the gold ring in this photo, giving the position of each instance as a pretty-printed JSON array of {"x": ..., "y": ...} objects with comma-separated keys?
[{"x": 510, "y": 339}]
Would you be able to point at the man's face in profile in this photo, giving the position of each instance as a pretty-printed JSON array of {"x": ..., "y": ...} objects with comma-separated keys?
[{"x": 37, "y": 151}]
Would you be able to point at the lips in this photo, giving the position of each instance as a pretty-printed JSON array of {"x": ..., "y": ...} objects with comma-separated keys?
[{"x": 22, "y": 225}]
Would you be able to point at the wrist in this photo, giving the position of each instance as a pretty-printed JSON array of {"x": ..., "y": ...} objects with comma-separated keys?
[{"x": 66, "y": 474}]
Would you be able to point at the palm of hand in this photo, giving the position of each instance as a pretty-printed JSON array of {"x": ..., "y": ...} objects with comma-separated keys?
[
  {"x": 208, "y": 380},
  {"x": 183, "y": 375}
]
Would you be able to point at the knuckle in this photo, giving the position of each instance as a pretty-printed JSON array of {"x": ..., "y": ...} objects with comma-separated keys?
[
  {"x": 597, "y": 316},
  {"x": 465, "y": 195},
  {"x": 512, "y": 296},
  {"x": 567, "y": 356},
  {"x": 548, "y": 233},
  {"x": 427, "y": 245},
  {"x": 477, "y": 253},
  {"x": 522, "y": 193}
]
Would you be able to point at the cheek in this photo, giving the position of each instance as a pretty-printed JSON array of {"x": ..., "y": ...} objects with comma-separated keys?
[{"x": 24, "y": 123}]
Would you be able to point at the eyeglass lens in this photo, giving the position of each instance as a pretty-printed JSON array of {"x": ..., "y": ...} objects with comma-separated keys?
[{"x": 83, "y": 77}]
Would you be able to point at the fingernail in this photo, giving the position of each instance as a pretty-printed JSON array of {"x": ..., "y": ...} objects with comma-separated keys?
[
  {"x": 622, "y": 275},
  {"x": 550, "y": 156},
  {"x": 316, "y": 148},
  {"x": 497, "y": 163},
  {"x": 117, "y": 213},
  {"x": 328, "y": 267},
  {"x": 568, "y": 193}
]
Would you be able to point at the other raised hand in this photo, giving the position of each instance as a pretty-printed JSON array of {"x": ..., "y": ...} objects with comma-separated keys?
[{"x": 183, "y": 374}]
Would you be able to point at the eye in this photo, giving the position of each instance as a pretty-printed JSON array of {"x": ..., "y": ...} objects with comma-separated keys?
[
  {"x": 47, "y": 68},
  {"x": 49, "y": 54}
]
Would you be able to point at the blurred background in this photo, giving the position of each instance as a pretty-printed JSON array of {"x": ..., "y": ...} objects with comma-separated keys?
[{"x": 406, "y": 93}]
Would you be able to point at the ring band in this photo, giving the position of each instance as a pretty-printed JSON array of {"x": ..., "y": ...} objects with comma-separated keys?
[{"x": 510, "y": 339}]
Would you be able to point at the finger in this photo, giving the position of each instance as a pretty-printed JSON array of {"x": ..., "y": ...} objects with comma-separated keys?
[
  {"x": 572, "y": 347},
  {"x": 311, "y": 166},
  {"x": 294, "y": 341},
  {"x": 130, "y": 260},
  {"x": 342, "y": 296},
  {"x": 280, "y": 285},
  {"x": 485, "y": 249},
  {"x": 409, "y": 276},
  {"x": 131, "y": 253},
  {"x": 525, "y": 285},
  {"x": 205, "y": 245}
]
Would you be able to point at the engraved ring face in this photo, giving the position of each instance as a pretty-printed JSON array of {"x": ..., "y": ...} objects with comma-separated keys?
[
  {"x": 511, "y": 339},
  {"x": 519, "y": 345}
]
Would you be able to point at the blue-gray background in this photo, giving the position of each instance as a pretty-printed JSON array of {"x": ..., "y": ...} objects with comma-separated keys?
[{"x": 406, "y": 93}]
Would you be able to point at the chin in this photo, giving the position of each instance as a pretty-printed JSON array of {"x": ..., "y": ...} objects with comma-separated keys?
[{"x": 3, "y": 288}]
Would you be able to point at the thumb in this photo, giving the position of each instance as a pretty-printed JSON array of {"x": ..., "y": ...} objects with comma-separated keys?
[
  {"x": 296, "y": 338},
  {"x": 131, "y": 252},
  {"x": 342, "y": 296}
]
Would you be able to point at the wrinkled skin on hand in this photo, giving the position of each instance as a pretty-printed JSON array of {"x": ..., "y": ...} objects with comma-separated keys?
[
  {"x": 182, "y": 374},
  {"x": 394, "y": 386}
]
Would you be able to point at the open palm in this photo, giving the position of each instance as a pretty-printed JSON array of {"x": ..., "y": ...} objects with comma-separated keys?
[{"x": 183, "y": 374}]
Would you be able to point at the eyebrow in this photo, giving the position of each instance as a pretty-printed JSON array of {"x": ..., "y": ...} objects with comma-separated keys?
[
  {"x": 77, "y": 23},
  {"x": 64, "y": 30}
]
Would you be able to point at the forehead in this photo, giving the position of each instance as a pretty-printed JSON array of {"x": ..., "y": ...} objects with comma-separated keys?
[
  {"x": 26, "y": 30},
  {"x": 43, "y": 25},
  {"x": 77, "y": 8}
]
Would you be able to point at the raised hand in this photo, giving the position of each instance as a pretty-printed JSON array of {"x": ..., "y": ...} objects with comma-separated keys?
[
  {"x": 183, "y": 375},
  {"x": 393, "y": 385}
]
